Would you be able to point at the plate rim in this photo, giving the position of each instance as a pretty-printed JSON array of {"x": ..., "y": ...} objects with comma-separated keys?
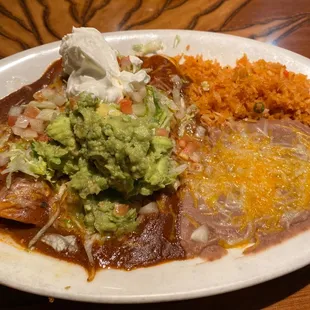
[
  {"x": 50, "y": 47},
  {"x": 55, "y": 44}
]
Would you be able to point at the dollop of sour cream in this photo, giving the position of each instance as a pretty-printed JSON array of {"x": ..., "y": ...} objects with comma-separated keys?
[{"x": 93, "y": 67}]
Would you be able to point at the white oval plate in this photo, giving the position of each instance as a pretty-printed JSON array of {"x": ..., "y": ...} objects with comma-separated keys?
[{"x": 43, "y": 275}]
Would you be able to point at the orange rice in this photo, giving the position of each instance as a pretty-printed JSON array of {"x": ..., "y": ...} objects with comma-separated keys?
[{"x": 233, "y": 93}]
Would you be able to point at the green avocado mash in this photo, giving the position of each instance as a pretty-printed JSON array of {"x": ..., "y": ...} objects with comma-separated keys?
[
  {"x": 118, "y": 151},
  {"x": 102, "y": 217}
]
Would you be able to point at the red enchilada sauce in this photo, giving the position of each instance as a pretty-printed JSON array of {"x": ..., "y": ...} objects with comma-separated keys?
[
  {"x": 162, "y": 69},
  {"x": 156, "y": 239},
  {"x": 25, "y": 94}
]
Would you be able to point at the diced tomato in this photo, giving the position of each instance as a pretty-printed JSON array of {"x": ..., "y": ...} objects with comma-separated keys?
[
  {"x": 162, "y": 132},
  {"x": 195, "y": 157},
  {"x": 73, "y": 103},
  {"x": 187, "y": 138},
  {"x": 182, "y": 143},
  {"x": 43, "y": 138},
  {"x": 31, "y": 111},
  {"x": 286, "y": 73},
  {"x": 188, "y": 152},
  {"x": 12, "y": 120},
  {"x": 126, "y": 106},
  {"x": 190, "y": 148}
]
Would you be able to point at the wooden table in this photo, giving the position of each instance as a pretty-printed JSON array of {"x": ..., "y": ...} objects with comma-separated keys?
[{"x": 286, "y": 23}]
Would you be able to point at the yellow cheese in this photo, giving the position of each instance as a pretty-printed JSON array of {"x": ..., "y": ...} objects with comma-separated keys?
[
  {"x": 265, "y": 179},
  {"x": 105, "y": 109}
]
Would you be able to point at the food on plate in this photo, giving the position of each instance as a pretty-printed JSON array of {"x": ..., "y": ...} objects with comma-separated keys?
[
  {"x": 249, "y": 90},
  {"x": 127, "y": 161}
]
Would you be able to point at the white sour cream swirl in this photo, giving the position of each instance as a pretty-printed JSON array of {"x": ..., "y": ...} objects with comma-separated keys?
[{"x": 93, "y": 67}]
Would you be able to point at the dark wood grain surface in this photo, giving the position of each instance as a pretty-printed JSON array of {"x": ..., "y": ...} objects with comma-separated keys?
[
  {"x": 285, "y": 23},
  {"x": 27, "y": 23}
]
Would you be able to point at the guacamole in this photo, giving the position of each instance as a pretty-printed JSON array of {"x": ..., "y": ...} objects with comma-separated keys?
[
  {"x": 114, "y": 151},
  {"x": 102, "y": 216}
]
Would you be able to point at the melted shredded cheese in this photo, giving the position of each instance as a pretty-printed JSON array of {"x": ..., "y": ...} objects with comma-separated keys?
[{"x": 254, "y": 180}]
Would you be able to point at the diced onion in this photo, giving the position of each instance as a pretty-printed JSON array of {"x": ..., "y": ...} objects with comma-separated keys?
[
  {"x": 37, "y": 125},
  {"x": 176, "y": 184},
  {"x": 136, "y": 97},
  {"x": 43, "y": 104},
  {"x": 178, "y": 170},
  {"x": 195, "y": 157},
  {"x": 142, "y": 91},
  {"x": 50, "y": 95},
  {"x": 15, "y": 111},
  {"x": 61, "y": 243},
  {"x": 46, "y": 115},
  {"x": 47, "y": 93},
  {"x": 149, "y": 208},
  {"x": 22, "y": 121},
  {"x": 29, "y": 134},
  {"x": 139, "y": 109},
  {"x": 17, "y": 131},
  {"x": 59, "y": 100},
  {"x": 201, "y": 234},
  {"x": 200, "y": 132},
  {"x": 24, "y": 133}
]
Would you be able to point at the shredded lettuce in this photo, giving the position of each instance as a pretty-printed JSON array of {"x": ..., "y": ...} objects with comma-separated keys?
[
  {"x": 191, "y": 112},
  {"x": 150, "y": 47},
  {"x": 158, "y": 107},
  {"x": 176, "y": 41},
  {"x": 22, "y": 160},
  {"x": 97, "y": 153}
]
